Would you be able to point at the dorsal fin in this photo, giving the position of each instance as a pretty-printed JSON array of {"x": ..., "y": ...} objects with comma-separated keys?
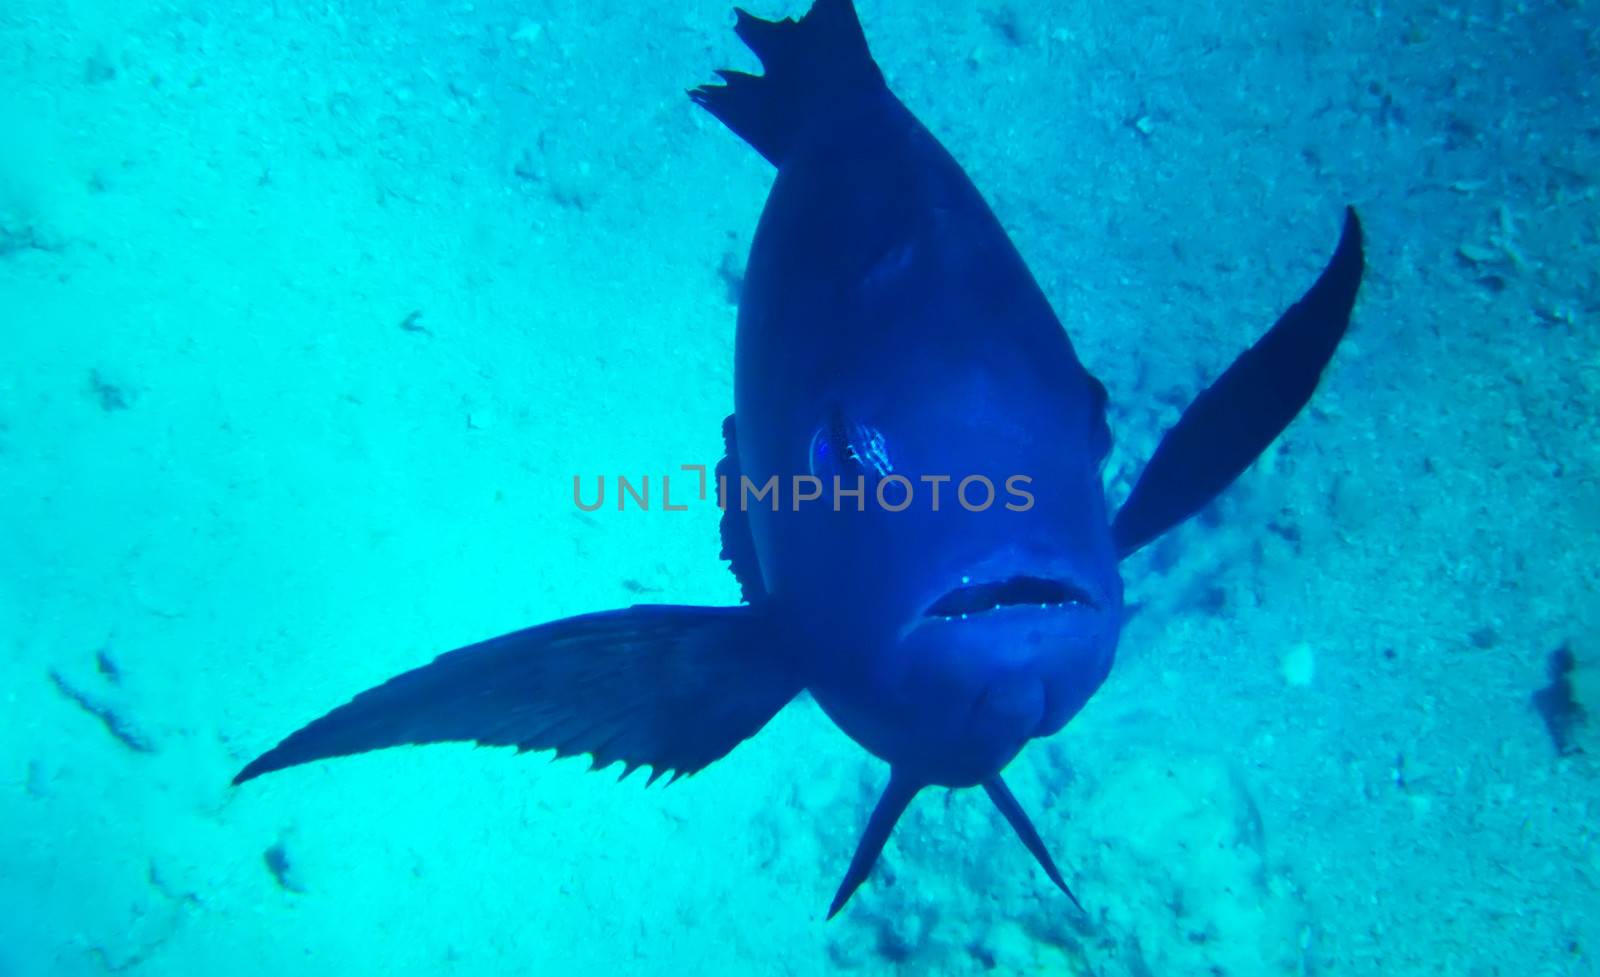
[
  {"x": 811, "y": 66},
  {"x": 738, "y": 546}
]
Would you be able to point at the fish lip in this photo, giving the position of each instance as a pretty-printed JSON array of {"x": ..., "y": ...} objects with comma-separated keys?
[{"x": 974, "y": 598}]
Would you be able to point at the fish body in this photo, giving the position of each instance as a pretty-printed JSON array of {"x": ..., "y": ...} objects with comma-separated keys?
[{"x": 882, "y": 291}]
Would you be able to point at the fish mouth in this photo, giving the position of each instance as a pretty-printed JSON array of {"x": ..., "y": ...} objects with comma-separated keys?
[{"x": 1019, "y": 591}]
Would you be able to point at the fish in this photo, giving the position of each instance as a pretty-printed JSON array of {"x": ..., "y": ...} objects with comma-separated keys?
[{"x": 914, "y": 500}]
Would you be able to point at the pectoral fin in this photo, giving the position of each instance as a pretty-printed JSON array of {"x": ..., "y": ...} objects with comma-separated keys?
[
  {"x": 1237, "y": 417},
  {"x": 670, "y": 687}
]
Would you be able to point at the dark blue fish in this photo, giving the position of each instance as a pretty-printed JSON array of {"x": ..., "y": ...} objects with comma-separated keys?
[{"x": 954, "y": 591}]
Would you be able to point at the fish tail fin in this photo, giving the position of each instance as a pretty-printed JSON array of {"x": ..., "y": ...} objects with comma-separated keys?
[
  {"x": 896, "y": 798},
  {"x": 1018, "y": 818},
  {"x": 670, "y": 687},
  {"x": 809, "y": 66}
]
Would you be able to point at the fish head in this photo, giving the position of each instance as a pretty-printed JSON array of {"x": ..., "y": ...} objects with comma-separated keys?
[{"x": 977, "y": 583}]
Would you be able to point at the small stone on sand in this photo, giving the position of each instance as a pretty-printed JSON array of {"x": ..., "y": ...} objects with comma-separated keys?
[{"x": 1299, "y": 665}]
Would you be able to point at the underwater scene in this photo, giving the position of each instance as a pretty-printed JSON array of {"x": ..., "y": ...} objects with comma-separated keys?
[{"x": 395, "y": 397}]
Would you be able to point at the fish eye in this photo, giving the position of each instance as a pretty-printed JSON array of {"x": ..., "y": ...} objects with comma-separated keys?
[{"x": 846, "y": 448}]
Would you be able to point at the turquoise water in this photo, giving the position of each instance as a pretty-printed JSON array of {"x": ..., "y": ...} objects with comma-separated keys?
[{"x": 312, "y": 311}]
